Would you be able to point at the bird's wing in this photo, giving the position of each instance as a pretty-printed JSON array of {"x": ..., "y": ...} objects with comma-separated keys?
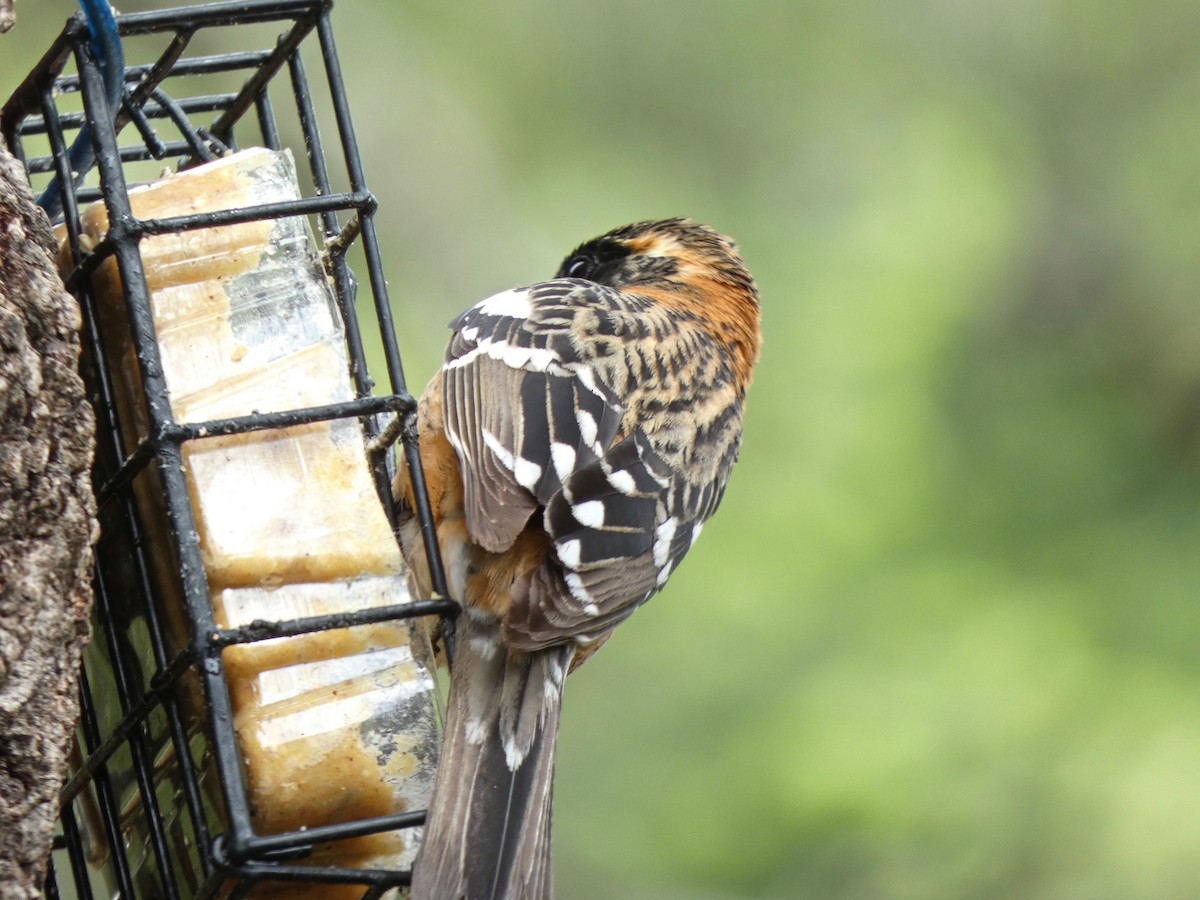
[
  {"x": 618, "y": 509},
  {"x": 620, "y": 527},
  {"x": 523, "y": 408}
]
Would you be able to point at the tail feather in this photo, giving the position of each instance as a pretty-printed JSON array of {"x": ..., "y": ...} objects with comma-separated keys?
[{"x": 488, "y": 834}]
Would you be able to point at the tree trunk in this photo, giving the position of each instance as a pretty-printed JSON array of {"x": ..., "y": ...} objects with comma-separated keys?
[{"x": 47, "y": 526}]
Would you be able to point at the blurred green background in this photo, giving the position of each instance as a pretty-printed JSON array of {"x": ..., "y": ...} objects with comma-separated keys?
[{"x": 941, "y": 641}]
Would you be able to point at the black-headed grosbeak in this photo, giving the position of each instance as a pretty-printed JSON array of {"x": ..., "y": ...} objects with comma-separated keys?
[{"x": 574, "y": 442}]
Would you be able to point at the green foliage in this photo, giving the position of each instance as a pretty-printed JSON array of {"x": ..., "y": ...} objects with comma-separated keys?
[{"x": 941, "y": 640}]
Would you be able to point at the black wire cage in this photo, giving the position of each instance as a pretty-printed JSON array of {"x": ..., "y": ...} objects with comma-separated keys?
[{"x": 158, "y": 795}]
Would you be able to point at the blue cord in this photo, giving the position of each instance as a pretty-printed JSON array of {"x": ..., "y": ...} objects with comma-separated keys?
[{"x": 106, "y": 45}]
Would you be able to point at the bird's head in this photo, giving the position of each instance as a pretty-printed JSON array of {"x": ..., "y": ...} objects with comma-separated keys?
[{"x": 683, "y": 264}]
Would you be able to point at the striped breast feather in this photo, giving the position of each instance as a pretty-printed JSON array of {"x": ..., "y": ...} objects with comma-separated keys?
[
  {"x": 523, "y": 407},
  {"x": 620, "y": 527}
]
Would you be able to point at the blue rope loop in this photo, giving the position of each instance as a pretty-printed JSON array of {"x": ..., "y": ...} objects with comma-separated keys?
[{"x": 106, "y": 46}]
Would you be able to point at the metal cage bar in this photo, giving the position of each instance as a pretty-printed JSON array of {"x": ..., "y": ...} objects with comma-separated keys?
[{"x": 135, "y": 658}]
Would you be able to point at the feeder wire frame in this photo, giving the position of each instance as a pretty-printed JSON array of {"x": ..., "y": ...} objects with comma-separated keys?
[{"x": 235, "y": 859}]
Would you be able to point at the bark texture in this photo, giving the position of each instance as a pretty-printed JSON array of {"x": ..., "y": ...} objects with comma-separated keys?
[{"x": 47, "y": 526}]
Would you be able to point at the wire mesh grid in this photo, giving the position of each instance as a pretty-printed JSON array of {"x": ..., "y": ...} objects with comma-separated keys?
[{"x": 157, "y": 797}]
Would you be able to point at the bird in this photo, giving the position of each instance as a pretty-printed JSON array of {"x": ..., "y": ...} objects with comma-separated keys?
[{"x": 575, "y": 440}]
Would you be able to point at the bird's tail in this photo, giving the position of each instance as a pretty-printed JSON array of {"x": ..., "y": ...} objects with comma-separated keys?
[{"x": 488, "y": 833}]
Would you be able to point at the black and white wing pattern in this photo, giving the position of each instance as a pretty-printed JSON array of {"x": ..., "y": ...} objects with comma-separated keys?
[
  {"x": 523, "y": 408},
  {"x": 551, "y": 406}
]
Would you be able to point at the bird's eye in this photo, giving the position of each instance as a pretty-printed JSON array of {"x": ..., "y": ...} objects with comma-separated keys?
[{"x": 579, "y": 267}]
